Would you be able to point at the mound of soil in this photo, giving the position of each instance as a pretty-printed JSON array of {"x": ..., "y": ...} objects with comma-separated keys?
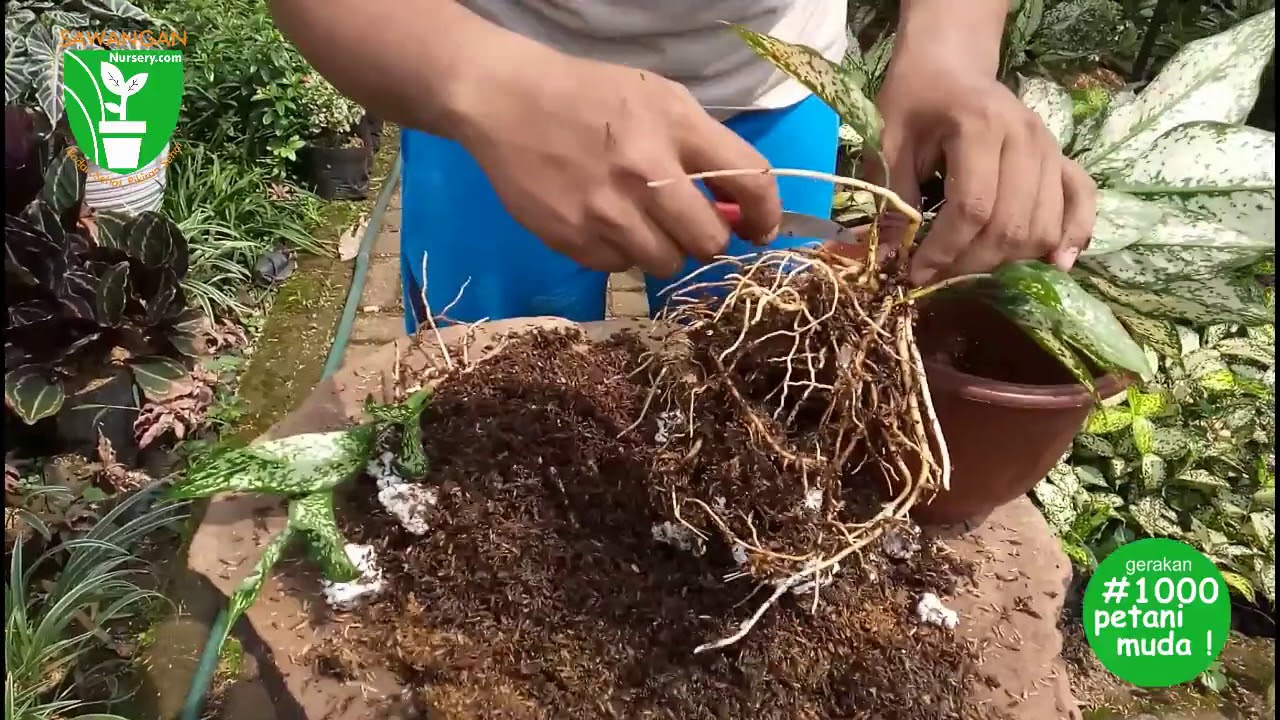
[{"x": 540, "y": 590}]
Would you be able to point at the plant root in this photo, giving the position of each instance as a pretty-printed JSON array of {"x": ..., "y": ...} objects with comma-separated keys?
[{"x": 794, "y": 386}]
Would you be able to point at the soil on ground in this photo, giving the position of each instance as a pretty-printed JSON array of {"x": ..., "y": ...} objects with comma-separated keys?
[{"x": 541, "y": 592}]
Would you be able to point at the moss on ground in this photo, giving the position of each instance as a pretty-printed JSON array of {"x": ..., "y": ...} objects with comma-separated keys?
[{"x": 290, "y": 354}]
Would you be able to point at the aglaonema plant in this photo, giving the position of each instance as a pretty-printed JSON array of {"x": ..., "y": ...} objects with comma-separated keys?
[
  {"x": 1186, "y": 200},
  {"x": 305, "y": 470}
]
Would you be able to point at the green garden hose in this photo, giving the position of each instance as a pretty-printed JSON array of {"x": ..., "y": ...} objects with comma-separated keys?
[{"x": 208, "y": 665}]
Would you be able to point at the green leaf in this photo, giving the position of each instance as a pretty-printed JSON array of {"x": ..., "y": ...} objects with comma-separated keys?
[
  {"x": 1213, "y": 680},
  {"x": 1090, "y": 476},
  {"x": 31, "y": 395},
  {"x": 63, "y": 184},
  {"x": 1052, "y": 103},
  {"x": 1123, "y": 220},
  {"x": 1155, "y": 517},
  {"x": 1091, "y": 444},
  {"x": 1204, "y": 301},
  {"x": 113, "y": 294},
  {"x": 290, "y": 466},
  {"x": 158, "y": 376},
  {"x": 157, "y": 242},
  {"x": 246, "y": 593},
  {"x": 1260, "y": 353},
  {"x": 1144, "y": 435},
  {"x": 111, "y": 225},
  {"x": 1153, "y": 471},
  {"x": 1215, "y": 78},
  {"x": 1170, "y": 443},
  {"x": 824, "y": 78},
  {"x": 1239, "y": 584},
  {"x": 313, "y": 517},
  {"x": 1039, "y": 295},
  {"x": 1161, "y": 335},
  {"x": 1106, "y": 420},
  {"x": 116, "y": 10},
  {"x": 42, "y": 70},
  {"x": 1225, "y": 174}
]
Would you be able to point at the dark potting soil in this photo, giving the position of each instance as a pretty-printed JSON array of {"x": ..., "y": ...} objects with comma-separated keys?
[{"x": 540, "y": 591}]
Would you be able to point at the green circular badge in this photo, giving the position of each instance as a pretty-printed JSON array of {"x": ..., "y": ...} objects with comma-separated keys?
[{"x": 1157, "y": 612}]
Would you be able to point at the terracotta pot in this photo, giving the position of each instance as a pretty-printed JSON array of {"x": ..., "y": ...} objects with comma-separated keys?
[{"x": 1008, "y": 410}]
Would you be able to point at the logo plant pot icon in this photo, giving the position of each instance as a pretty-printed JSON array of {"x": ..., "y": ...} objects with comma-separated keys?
[{"x": 122, "y": 105}]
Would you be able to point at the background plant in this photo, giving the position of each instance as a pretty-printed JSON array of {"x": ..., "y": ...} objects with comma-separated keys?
[{"x": 61, "y": 605}]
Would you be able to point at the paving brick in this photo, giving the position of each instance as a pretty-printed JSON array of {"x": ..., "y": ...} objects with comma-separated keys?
[
  {"x": 387, "y": 244},
  {"x": 629, "y": 303},
  {"x": 377, "y": 328},
  {"x": 382, "y": 285},
  {"x": 629, "y": 280}
]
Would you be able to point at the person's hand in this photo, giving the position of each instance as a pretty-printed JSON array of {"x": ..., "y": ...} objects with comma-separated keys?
[
  {"x": 1010, "y": 193},
  {"x": 570, "y": 146}
]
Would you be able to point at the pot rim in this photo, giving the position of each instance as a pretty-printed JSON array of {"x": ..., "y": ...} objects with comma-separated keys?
[{"x": 1020, "y": 395}]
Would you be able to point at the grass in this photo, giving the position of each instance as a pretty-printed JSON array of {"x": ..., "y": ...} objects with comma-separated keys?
[
  {"x": 60, "y": 607},
  {"x": 231, "y": 216}
]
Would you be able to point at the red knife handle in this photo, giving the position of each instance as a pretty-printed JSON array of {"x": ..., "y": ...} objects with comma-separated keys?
[{"x": 731, "y": 213}]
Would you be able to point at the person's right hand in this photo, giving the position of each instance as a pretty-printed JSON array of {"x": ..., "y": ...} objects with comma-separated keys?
[{"x": 570, "y": 146}]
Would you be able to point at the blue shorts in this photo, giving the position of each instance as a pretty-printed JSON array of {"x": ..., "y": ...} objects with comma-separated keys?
[{"x": 451, "y": 213}]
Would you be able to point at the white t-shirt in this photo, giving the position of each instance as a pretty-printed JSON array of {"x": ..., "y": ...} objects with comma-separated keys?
[{"x": 683, "y": 40}]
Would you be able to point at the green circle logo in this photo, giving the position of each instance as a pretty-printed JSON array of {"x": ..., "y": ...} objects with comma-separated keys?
[{"x": 1157, "y": 612}]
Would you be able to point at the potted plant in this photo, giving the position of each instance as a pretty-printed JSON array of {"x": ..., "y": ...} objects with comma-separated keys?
[
  {"x": 337, "y": 156},
  {"x": 1186, "y": 206},
  {"x": 34, "y": 46}
]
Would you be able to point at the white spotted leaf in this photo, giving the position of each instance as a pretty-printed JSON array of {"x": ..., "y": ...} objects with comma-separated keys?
[
  {"x": 1215, "y": 78},
  {"x": 837, "y": 89},
  {"x": 1052, "y": 103}
]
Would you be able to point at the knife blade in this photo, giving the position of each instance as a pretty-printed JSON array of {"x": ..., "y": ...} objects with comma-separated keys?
[{"x": 798, "y": 225}]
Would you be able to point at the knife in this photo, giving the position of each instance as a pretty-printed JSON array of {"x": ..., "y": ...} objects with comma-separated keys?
[{"x": 799, "y": 225}]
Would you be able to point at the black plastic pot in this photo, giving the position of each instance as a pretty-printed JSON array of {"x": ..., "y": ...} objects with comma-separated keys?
[
  {"x": 337, "y": 173},
  {"x": 370, "y": 130}
]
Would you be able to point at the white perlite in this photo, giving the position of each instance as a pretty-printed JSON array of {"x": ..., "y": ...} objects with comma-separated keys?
[
  {"x": 813, "y": 499},
  {"x": 381, "y": 469},
  {"x": 931, "y": 610},
  {"x": 346, "y": 596},
  {"x": 410, "y": 504},
  {"x": 679, "y": 536}
]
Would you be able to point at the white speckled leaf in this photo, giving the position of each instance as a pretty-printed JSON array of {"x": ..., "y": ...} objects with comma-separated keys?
[
  {"x": 1202, "y": 302},
  {"x": 1161, "y": 335},
  {"x": 1180, "y": 246},
  {"x": 1223, "y": 172},
  {"x": 824, "y": 78},
  {"x": 1123, "y": 220},
  {"x": 1052, "y": 103},
  {"x": 1215, "y": 78}
]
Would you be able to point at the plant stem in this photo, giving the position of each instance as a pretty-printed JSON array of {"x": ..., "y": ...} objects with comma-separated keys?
[
  {"x": 900, "y": 205},
  {"x": 957, "y": 280}
]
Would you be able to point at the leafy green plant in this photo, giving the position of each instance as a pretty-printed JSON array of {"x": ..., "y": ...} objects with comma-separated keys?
[
  {"x": 52, "y": 623},
  {"x": 77, "y": 307},
  {"x": 333, "y": 116},
  {"x": 1171, "y": 239},
  {"x": 305, "y": 470},
  {"x": 1189, "y": 457}
]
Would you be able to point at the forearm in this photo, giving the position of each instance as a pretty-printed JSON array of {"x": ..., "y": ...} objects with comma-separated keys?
[
  {"x": 969, "y": 31},
  {"x": 418, "y": 63}
]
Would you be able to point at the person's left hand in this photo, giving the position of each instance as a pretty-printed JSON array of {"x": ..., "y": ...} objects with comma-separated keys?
[{"x": 1010, "y": 193}]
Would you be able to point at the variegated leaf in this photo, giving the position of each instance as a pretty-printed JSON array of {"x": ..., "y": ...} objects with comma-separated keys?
[
  {"x": 1261, "y": 353},
  {"x": 1155, "y": 517},
  {"x": 1159, "y": 334},
  {"x": 1180, "y": 246},
  {"x": 1153, "y": 471},
  {"x": 1144, "y": 435},
  {"x": 1215, "y": 78},
  {"x": 1220, "y": 172},
  {"x": 1197, "y": 301},
  {"x": 1104, "y": 421},
  {"x": 1091, "y": 444},
  {"x": 824, "y": 78},
  {"x": 1052, "y": 103},
  {"x": 312, "y": 516},
  {"x": 1122, "y": 220}
]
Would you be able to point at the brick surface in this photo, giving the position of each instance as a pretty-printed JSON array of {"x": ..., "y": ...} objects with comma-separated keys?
[
  {"x": 628, "y": 303},
  {"x": 377, "y": 328},
  {"x": 382, "y": 285},
  {"x": 388, "y": 240}
]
